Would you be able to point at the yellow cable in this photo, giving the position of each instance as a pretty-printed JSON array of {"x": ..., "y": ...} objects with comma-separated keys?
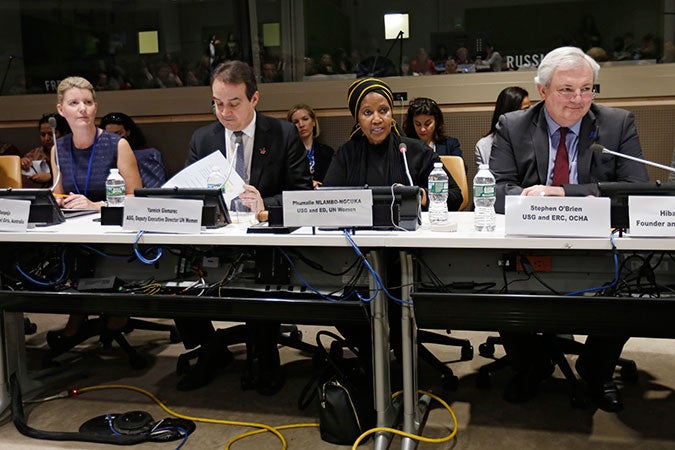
[
  {"x": 280, "y": 427},
  {"x": 273, "y": 430},
  {"x": 262, "y": 428},
  {"x": 414, "y": 436}
]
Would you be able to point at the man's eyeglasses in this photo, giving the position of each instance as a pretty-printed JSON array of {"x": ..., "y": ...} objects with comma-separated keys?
[{"x": 569, "y": 93}]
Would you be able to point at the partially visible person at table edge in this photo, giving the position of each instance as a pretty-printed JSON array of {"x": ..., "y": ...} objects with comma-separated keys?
[{"x": 85, "y": 158}]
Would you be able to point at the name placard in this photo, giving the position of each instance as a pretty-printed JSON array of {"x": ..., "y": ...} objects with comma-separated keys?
[
  {"x": 14, "y": 214},
  {"x": 328, "y": 208},
  {"x": 557, "y": 216},
  {"x": 168, "y": 215},
  {"x": 651, "y": 216}
]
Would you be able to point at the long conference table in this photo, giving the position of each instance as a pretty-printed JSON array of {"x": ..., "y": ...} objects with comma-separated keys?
[{"x": 464, "y": 257}]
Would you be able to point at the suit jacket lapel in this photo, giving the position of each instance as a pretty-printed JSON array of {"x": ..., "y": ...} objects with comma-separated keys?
[
  {"x": 540, "y": 143},
  {"x": 587, "y": 136},
  {"x": 261, "y": 145},
  {"x": 217, "y": 139}
]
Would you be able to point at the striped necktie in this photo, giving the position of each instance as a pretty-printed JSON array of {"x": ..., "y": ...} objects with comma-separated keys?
[{"x": 239, "y": 164}]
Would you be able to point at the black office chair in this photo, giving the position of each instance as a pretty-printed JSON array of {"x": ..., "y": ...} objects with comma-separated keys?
[
  {"x": 558, "y": 346},
  {"x": 448, "y": 379},
  {"x": 425, "y": 336},
  {"x": 290, "y": 336},
  {"x": 97, "y": 327}
]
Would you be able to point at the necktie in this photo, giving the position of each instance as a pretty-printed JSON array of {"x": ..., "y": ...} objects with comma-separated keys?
[
  {"x": 561, "y": 169},
  {"x": 239, "y": 164}
]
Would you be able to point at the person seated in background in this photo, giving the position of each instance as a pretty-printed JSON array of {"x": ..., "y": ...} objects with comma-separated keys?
[
  {"x": 33, "y": 161},
  {"x": 462, "y": 56},
  {"x": 149, "y": 159},
  {"x": 319, "y": 155},
  {"x": 422, "y": 64},
  {"x": 270, "y": 72},
  {"x": 509, "y": 99},
  {"x": 85, "y": 158},
  {"x": 8, "y": 149},
  {"x": 545, "y": 150},
  {"x": 493, "y": 58},
  {"x": 326, "y": 65},
  {"x": 424, "y": 121},
  {"x": 450, "y": 66}
]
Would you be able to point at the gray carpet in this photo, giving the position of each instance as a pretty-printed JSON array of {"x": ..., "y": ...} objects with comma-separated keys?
[{"x": 485, "y": 420}]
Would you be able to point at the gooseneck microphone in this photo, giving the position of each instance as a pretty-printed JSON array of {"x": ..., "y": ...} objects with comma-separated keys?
[
  {"x": 404, "y": 150},
  {"x": 599, "y": 149},
  {"x": 57, "y": 177}
]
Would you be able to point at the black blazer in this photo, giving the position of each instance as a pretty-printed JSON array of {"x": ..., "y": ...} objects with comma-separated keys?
[
  {"x": 520, "y": 151},
  {"x": 323, "y": 155},
  {"x": 279, "y": 160},
  {"x": 449, "y": 147}
]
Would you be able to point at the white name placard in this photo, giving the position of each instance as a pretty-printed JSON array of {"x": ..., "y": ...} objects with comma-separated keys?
[
  {"x": 14, "y": 214},
  {"x": 328, "y": 208},
  {"x": 167, "y": 215},
  {"x": 651, "y": 216},
  {"x": 557, "y": 216}
]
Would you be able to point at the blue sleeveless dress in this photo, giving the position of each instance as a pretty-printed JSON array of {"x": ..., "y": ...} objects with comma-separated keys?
[{"x": 76, "y": 175}]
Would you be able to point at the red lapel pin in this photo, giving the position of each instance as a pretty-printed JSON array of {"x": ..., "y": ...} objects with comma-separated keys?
[{"x": 262, "y": 150}]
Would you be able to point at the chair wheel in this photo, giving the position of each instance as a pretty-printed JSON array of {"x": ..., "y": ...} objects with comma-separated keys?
[
  {"x": 449, "y": 382},
  {"x": 629, "y": 372},
  {"x": 486, "y": 350},
  {"x": 29, "y": 327},
  {"x": 183, "y": 365},
  {"x": 483, "y": 379},
  {"x": 174, "y": 336},
  {"x": 467, "y": 352}
]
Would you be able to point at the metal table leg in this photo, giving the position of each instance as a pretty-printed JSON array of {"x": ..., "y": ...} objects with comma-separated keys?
[
  {"x": 414, "y": 410},
  {"x": 386, "y": 412}
]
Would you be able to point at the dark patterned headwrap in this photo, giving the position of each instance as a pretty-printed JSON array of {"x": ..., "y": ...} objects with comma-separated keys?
[{"x": 358, "y": 90}]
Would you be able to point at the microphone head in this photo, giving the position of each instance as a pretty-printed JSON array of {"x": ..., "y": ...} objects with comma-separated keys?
[
  {"x": 402, "y": 147},
  {"x": 597, "y": 149},
  {"x": 52, "y": 123}
]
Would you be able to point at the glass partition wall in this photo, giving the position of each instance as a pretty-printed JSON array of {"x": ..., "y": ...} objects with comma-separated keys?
[{"x": 148, "y": 44}]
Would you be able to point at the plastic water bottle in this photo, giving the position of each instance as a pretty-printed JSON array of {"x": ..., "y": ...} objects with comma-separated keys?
[
  {"x": 484, "y": 196},
  {"x": 216, "y": 179},
  {"x": 438, "y": 196},
  {"x": 115, "y": 189}
]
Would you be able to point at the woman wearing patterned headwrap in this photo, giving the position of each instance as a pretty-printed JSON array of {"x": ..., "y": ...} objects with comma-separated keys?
[{"x": 372, "y": 156}]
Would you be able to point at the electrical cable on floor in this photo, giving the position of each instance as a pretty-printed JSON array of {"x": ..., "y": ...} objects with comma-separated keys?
[
  {"x": 263, "y": 428},
  {"x": 271, "y": 429},
  {"x": 415, "y": 437}
]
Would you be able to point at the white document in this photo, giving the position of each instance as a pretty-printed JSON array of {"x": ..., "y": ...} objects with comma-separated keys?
[
  {"x": 37, "y": 166},
  {"x": 196, "y": 175}
]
